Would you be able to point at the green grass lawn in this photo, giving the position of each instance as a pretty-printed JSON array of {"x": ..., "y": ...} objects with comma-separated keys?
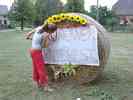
[{"x": 16, "y": 82}]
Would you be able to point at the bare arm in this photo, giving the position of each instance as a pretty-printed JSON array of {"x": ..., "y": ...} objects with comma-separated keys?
[
  {"x": 45, "y": 40},
  {"x": 29, "y": 34}
]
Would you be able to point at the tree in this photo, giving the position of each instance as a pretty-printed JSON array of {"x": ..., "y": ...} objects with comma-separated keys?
[
  {"x": 45, "y": 8},
  {"x": 22, "y": 11},
  {"x": 75, "y": 6},
  {"x": 106, "y": 16},
  {"x": 93, "y": 12}
]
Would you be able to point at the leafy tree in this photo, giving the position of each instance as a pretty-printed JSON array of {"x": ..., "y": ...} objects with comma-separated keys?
[
  {"x": 22, "y": 11},
  {"x": 75, "y": 6},
  {"x": 106, "y": 16},
  {"x": 93, "y": 12},
  {"x": 45, "y": 8}
]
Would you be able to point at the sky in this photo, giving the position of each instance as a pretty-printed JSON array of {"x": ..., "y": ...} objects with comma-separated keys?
[
  {"x": 108, "y": 3},
  {"x": 6, "y": 2},
  {"x": 88, "y": 3}
]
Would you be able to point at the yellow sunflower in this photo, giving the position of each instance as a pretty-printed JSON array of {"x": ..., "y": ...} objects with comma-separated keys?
[
  {"x": 76, "y": 18},
  {"x": 58, "y": 18},
  {"x": 62, "y": 16},
  {"x": 83, "y": 21},
  {"x": 50, "y": 20},
  {"x": 67, "y": 17},
  {"x": 70, "y": 18},
  {"x": 54, "y": 17}
]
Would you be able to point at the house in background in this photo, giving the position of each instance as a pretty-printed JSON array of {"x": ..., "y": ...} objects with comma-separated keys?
[
  {"x": 4, "y": 22},
  {"x": 124, "y": 9}
]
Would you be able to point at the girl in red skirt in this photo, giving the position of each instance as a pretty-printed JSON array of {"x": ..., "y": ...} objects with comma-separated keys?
[{"x": 39, "y": 71}]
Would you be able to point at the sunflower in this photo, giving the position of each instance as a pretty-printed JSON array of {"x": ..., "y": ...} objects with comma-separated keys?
[
  {"x": 70, "y": 18},
  {"x": 63, "y": 17},
  {"x": 50, "y": 20},
  {"x": 83, "y": 21},
  {"x": 58, "y": 18},
  {"x": 53, "y": 19},
  {"x": 76, "y": 18},
  {"x": 67, "y": 17}
]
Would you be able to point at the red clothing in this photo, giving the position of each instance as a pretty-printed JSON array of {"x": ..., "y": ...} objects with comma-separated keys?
[{"x": 39, "y": 70}]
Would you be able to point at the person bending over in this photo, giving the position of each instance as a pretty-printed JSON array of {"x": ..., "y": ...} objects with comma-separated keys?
[{"x": 40, "y": 34}]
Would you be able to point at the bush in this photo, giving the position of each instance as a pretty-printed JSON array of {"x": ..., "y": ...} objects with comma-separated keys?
[{"x": 11, "y": 26}]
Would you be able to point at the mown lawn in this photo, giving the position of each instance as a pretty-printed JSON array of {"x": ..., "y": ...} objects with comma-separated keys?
[{"x": 15, "y": 72}]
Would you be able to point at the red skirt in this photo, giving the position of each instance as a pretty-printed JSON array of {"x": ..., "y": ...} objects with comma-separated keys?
[{"x": 39, "y": 70}]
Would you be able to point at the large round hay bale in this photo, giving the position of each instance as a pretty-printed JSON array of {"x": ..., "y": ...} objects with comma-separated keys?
[{"x": 86, "y": 73}]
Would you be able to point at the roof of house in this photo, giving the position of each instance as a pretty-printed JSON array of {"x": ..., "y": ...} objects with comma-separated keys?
[
  {"x": 3, "y": 10},
  {"x": 123, "y": 7}
]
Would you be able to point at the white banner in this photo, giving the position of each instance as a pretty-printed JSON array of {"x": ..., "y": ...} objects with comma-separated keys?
[{"x": 76, "y": 46}]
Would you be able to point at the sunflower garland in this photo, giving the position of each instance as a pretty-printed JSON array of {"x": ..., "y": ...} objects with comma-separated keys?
[{"x": 66, "y": 17}]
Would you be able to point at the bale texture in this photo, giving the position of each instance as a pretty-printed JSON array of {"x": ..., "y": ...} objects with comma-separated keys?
[{"x": 85, "y": 73}]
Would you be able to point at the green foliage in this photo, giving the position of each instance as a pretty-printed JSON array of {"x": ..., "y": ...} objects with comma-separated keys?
[
  {"x": 69, "y": 69},
  {"x": 102, "y": 95},
  {"x": 45, "y": 8},
  {"x": 106, "y": 16},
  {"x": 93, "y": 12},
  {"x": 22, "y": 11},
  {"x": 75, "y": 6}
]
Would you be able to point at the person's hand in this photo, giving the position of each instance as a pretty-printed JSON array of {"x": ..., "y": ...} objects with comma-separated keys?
[
  {"x": 30, "y": 38},
  {"x": 53, "y": 36},
  {"x": 46, "y": 35},
  {"x": 26, "y": 35}
]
